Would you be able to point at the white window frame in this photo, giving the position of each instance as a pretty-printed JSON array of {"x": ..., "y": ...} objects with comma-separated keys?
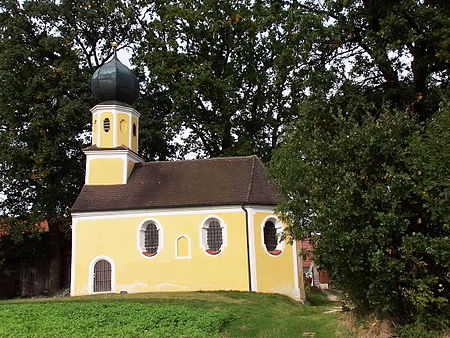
[
  {"x": 141, "y": 237},
  {"x": 203, "y": 234},
  {"x": 91, "y": 275},
  {"x": 279, "y": 227}
]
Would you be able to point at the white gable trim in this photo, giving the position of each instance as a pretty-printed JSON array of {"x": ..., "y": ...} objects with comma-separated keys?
[
  {"x": 251, "y": 247},
  {"x": 73, "y": 256},
  {"x": 295, "y": 259}
]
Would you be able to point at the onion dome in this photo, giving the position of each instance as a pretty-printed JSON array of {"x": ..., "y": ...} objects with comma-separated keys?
[{"x": 115, "y": 83}]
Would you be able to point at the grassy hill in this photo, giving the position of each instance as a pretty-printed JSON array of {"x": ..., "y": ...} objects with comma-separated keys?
[{"x": 187, "y": 314}]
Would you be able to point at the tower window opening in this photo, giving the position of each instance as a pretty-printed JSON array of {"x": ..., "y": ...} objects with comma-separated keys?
[
  {"x": 106, "y": 125},
  {"x": 134, "y": 129}
]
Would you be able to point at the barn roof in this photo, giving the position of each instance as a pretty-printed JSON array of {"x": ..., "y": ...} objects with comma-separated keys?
[{"x": 207, "y": 182}]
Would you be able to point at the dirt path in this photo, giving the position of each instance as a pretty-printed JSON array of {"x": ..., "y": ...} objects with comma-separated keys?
[{"x": 330, "y": 296}]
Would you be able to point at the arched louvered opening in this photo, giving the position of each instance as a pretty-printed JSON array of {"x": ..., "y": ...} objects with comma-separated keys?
[
  {"x": 214, "y": 237},
  {"x": 106, "y": 125},
  {"x": 102, "y": 276},
  {"x": 151, "y": 240},
  {"x": 271, "y": 238}
]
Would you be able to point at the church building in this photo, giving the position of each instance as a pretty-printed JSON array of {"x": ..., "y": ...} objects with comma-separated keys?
[{"x": 206, "y": 224}]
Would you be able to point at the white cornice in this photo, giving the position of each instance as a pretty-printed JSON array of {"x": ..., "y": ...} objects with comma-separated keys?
[
  {"x": 115, "y": 108},
  {"x": 113, "y": 153},
  {"x": 155, "y": 212}
]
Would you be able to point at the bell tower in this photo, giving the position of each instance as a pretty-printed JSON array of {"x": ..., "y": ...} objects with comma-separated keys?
[{"x": 115, "y": 125}]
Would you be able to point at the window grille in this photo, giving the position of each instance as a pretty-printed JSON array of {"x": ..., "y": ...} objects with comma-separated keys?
[
  {"x": 106, "y": 125},
  {"x": 270, "y": 236},
  {"x": 102, "y": 276},
  {"x": 151, "y": 239},
  {"x": 214, "y": 238}
]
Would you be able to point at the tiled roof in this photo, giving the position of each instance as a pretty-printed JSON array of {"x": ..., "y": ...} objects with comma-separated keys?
[{"x": 209, "y": 182}]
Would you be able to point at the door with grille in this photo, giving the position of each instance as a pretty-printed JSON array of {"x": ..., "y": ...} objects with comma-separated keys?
[{"x": 102, "y": 276}]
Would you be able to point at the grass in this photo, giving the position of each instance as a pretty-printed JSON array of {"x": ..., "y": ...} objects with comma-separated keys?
[{"x": 191, "y": 314}]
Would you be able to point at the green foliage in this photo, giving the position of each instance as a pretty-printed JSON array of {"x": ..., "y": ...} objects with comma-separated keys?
[
  {"x": 42, "y": 109},
  {"x": 363, "y": 192},
  {"x": 109, "y": 319},
  {"x": 187, "y": 314},
  {"x": 366, "y": 165},
  {"x": 226, "y": 69}
]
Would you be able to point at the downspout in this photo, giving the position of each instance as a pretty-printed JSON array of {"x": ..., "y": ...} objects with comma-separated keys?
[{"x": 248, "y": 249}]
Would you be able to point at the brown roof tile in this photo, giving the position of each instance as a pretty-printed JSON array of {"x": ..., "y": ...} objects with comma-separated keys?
[{"x": 210, "y": 182}]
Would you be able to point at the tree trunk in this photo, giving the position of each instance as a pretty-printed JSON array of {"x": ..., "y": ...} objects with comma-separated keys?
[{"x": 55, "y": 257}]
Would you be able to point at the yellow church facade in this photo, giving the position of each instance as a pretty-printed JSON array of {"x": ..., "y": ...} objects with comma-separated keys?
[
  {"x": 182, "y": 262},
  {"x": 190, "y": 225}
]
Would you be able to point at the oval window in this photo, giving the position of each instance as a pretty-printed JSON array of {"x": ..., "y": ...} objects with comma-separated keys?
[
  {"x": 212, "y": 236},
  {"x": 151, "y": 240},
  {"x": 271, "y": 238}
]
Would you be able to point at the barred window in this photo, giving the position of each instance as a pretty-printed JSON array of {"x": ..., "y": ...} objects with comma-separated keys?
[
  {"x": 149, "y": 239},
  {"x": 214, "y": 236},
  {"x": 271, "y": 238}
]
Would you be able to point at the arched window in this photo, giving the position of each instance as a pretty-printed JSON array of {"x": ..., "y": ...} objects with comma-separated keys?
[
  {"x": 212, "y": 236},
  {"x": 149, "y": 239},
  {"x": 271, "y": 241},
  {"x": 102, "y": 276}
]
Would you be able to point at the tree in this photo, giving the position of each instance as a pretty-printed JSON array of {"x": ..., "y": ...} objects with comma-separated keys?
[
  {"x": 49, "y": 51},
  {"x": 43, "y": 96},
  {"x": 227, "y": 70},
  {"x": 360, "y": 166}
]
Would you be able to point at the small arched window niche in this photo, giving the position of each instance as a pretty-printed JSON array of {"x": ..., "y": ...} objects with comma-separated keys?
[
  {"x": 183, "y": 248},
  {"x": 213, "y": 236},
  {"x": 150, "y": 238},
  {"x": 271, "y": 232},
  {"x": 123, "y": 126}
]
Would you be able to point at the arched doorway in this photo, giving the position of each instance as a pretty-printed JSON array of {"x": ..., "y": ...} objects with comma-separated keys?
[{"x": 102, "y": 276}]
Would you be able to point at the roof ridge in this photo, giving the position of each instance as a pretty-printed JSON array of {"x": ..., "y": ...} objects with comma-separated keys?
[
  {"x": 254, "y": 157},
  {"x": 205, "y": 159}
]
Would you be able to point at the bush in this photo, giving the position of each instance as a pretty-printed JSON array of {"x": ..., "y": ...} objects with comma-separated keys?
[
  {"x": 373, "y": 193},
  {"x": 120, "y": 319}
]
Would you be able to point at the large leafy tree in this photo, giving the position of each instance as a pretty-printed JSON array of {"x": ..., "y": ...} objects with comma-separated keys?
[
  {"x": 365, "y": 166},
  {"x": 43, "y": 96},
  {"x": 227, "y": 70},
  {"x": 49, "y": 50}
]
